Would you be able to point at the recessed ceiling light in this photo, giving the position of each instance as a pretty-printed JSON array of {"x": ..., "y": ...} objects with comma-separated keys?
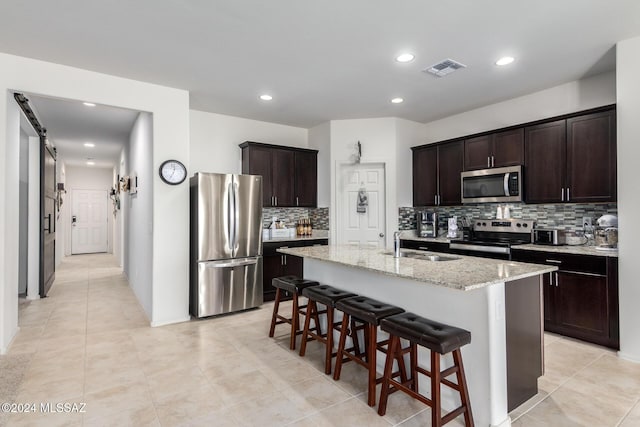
[
  {"x": 89, "y": 144},
  {"x": 266, "y": 97},
  {"x": 505, "y": 60},
  {"x": 405, "y": 57},
  {"x": 89, "y": 104},
  {"x": 397, "y": 100},
  {"x": 91, "y": 163}
]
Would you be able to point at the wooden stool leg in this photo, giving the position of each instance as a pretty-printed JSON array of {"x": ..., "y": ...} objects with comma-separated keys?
[
  {"x": 436, "y": 410},
  {"x": 295, "y": 322},
  {"x": 274, "y": 317},
  {"x": 388, "y": 368},
  {"x": 344, "y": 329},
  {"x": 329, "y": 343},
  {"x": 401, "y": 365},
  {"x": 413, "y": 356},
  {"x": 305, "y": 330},
  {"x": 372, "y": 332},
  {"x": 354, "y": 337},
  {"x": 464, "y": 392}
]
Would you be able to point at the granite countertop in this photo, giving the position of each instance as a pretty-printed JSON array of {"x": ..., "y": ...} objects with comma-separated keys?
[
  {"x": 464, "y": 273},
  {"x": 564, "y": 249},
  {"x": 568, "y": 249},
  {"x": 317, "y": 235}
]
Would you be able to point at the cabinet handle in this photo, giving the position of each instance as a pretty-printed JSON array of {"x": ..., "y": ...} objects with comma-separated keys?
[
  {"x": 423, "y": 248},
  {"x": 562, "y": 195},
  {"x": 438, "y": 200},
  {"x": 493, "y": 161},
  {"x": 568, "y": 198},
  {"x": 276, "y": 200},
  {"x": 556, "y": 273},
  {"x": 553, "y": 261},
  {"x": 297, "y": 202},
  {"x": 435, "y": 200},
  {"x": 285, "y": 260},
  {"x": 488, "y": 161}
]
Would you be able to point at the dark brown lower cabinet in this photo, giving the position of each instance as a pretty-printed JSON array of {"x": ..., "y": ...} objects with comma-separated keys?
[
  {"x": 581, "y": 298},
  {"x": 275, "y": 264}
]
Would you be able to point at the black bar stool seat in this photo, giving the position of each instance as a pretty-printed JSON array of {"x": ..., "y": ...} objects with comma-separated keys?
[
  {"x": 369, "y": 312},
  {"x": 294, "y": 285},
  {"x": 440, "y": 339},
  {"x": 328, "y": 296}
]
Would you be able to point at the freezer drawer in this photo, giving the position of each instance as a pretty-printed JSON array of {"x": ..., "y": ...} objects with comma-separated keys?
[{"x": 226, "y": 286}]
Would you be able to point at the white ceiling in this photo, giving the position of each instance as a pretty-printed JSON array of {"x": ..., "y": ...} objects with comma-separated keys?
[
  {"x": 330, "y": 59},
  {"x": 70, "y": 124}
]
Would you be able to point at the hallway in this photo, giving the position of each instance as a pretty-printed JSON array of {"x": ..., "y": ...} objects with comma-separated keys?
[{"x": 90, "y": 342}]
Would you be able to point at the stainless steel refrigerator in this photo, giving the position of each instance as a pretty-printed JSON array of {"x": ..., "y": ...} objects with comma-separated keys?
[{"x": 226, "y": 243}]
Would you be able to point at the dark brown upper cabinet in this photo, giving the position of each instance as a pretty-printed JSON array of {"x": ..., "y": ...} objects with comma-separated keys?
[
  {"x": 289, "y": 175},
  {"x": 572, "y": 160},
  {"x": 494, "y": 150},
  {"x": 591, "y": 158},
  {"x": 436, "y": 174}
]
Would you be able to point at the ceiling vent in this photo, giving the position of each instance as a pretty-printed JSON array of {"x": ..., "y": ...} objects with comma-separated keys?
[{"x": 445, "y": 67}]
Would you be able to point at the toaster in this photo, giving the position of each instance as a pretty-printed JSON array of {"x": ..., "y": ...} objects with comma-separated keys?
[{"x": 549, "y": 236}]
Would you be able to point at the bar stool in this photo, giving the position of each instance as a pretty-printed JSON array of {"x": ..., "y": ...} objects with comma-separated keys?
[
  {"x": 369, "y": 312},
  {"x": 294, "y": 285},
  {"x": 328, "y": 296},
  {"x": 441, "y": 339}
]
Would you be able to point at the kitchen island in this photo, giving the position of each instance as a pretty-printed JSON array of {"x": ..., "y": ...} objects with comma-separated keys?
[{"x": 499, "y": 302}]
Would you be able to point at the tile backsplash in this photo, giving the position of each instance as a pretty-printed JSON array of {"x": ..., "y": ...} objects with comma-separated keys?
[
  {"x": 319, "y": 216},
  {"x": 566, "y": 216}
]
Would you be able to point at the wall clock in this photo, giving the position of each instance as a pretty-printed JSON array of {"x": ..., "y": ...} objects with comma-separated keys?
[{"x": 173, "y": 172}]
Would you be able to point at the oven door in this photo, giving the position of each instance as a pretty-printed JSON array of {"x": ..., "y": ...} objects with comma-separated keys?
[
  {"x": 492, "y": 185},
  {"x": 480, "y": 250}
]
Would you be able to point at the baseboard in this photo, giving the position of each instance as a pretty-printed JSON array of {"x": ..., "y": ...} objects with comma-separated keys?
[
  {"x": 628, "y": 357},
  {"x": 505, "y": 423},
  {"x": 170, "y": 322},
  {"x": 5, "y": 350}
]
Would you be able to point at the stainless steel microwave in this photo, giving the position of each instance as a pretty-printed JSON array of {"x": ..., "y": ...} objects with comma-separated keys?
[{"x": 492, "y": 185}]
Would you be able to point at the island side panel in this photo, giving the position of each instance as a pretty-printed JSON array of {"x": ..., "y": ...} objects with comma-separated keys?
[
  {"x": 480, "y": 311},
  {"x": 524, "y": 339}
]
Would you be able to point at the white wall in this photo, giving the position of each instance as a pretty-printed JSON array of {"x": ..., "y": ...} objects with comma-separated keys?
[
  {"x": 61, "y": 218},
  {"x": 170, "y": 109},
  {"x": 320, "y": 139},
  {"x": 84, "y": 178},
  {"x": 215, "y": 138},
  {"x": 574, "y": 96},
  {"x": 378, "y": 139},
  {"x": 139, "y": 212},
  {"x": 628, "y": 128}
]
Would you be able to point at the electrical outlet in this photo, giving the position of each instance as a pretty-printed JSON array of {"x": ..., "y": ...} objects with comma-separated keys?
[{"x": 586, "y": 221}]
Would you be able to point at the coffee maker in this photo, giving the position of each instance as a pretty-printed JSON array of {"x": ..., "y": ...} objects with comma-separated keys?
[{"x": 427, "y": 224}]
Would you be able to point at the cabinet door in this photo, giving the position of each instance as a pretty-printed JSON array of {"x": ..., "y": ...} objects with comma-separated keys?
[
  {"x": 293, "y": 265},
  {"x": 271, "y": 268},
  {"x": 477, "y": 152},
  {"x": 582, "y": 305},
  {"x": 282, "y": 172},
  {"x": 545, "y": 162},
  {"x": 508, "y": 148},
  {"x": 306, "y": 179},
  {"x": 257, "y": 161},
  {"x": 591, "y": 158},
  {"x": 450, "y": 165},
  {"x": 425, "y": 176}
]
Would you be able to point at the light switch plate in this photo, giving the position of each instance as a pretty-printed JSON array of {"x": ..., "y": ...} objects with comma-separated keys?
[{"x": 586, "y": 221}]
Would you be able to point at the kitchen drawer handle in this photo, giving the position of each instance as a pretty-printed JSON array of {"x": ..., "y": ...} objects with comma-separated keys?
[
  {"x": 423, "y": 248},
  {"x": 582, "y": 273},
  {"x": 553, "y": 261}
]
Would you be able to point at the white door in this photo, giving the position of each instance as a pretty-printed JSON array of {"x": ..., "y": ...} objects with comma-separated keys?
[
  {"x": 362, "y": 186},
  {"x": 89, "y": 221}
]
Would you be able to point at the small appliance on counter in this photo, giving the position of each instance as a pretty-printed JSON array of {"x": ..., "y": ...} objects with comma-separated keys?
[
  {"x": 549, "y": 236},
  {"x": 427, "y": 224},
  {"x": 606, "y": 233}
]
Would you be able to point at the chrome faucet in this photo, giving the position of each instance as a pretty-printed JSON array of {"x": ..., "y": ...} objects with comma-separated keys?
[{"x": 396, "y": 244}]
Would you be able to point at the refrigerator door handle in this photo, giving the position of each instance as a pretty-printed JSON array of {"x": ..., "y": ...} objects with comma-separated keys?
[
  {"x": 230, "y": 216},
  {"x": 230, "y": 263},
  {"x": 236, "y": 218}
]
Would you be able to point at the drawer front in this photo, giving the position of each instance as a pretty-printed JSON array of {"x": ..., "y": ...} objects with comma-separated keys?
[{"x": 565, "y": 262}]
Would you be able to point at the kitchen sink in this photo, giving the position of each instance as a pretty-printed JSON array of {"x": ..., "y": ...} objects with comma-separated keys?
[{"x": 424, "y": 256}]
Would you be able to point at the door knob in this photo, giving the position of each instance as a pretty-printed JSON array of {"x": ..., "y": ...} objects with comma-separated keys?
[{"x": 381, "y": 234}]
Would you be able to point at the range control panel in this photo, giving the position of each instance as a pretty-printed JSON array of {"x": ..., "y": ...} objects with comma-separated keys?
[{"x": 504, "y": 225}]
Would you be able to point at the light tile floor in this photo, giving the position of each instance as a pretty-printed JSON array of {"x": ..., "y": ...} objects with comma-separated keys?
[{"x": 90, "y": 342}]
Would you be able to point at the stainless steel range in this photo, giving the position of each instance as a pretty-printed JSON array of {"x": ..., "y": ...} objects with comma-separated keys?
[{"x": 494, "y": 237}]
